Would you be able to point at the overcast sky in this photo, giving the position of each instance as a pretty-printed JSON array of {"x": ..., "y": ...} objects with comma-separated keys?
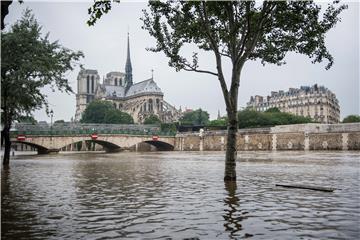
[{"x": 104, "y": 46}]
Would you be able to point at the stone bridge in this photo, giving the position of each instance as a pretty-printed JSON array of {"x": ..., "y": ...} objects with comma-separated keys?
[{"x": 110, "y": 142}]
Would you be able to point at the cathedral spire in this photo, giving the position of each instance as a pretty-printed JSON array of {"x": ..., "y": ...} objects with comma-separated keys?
[{"x": 128, "y": 67}]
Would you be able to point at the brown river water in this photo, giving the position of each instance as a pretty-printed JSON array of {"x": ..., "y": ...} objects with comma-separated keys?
[{"x": 180, "y": 195}]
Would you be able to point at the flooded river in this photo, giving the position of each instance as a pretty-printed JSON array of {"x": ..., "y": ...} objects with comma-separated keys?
[{"x": 180, "y": 195}]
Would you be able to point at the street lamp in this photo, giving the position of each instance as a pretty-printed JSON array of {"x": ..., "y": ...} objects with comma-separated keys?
[{"x": 51, "y": 123}]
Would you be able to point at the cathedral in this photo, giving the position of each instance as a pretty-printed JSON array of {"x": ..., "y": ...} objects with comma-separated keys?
[{"x": 140, "y": 99}]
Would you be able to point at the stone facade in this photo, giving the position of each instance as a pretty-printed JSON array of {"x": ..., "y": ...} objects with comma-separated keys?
[
  {"x": 316, "y": 102},
  {"x": 140, "y": 100},
  {"x": 287, "y": 137}
]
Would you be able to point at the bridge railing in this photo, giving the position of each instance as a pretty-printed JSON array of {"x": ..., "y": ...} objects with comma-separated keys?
[{"x": 73, "y": 132}]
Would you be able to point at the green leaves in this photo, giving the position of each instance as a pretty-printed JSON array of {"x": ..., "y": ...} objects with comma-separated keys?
[
  {"x": 152, "y": 119},
  {"x": 351, "y": 119},
  {"x": 241, "y": 29},
  {"x": 98, "y": 9},
  {"x": 271, "y": 117},
  {"x": 104, "y": 112},
  {"x": 30, "y": 62},
  {"x": 197, "y": 117}
]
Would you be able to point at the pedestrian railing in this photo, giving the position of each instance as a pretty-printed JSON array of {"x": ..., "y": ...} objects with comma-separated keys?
[{"x": 15, "y": 133}]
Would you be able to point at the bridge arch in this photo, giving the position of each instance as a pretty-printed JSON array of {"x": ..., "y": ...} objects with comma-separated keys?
[
  {"x": 40, "y": 149},
  {"x": 108, "y": 146},
  {"x": 160, "y": 145}
]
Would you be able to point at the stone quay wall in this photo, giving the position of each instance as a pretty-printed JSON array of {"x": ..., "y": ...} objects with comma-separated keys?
[{"x": 309, "y": 136}]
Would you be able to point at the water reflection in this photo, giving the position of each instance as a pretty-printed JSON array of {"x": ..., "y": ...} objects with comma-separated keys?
[
  {"x": 232, "y": 220},
  {"x": 180, "y": 196}
]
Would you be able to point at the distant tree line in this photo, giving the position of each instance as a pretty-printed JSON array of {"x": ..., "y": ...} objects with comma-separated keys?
[{"x": 104, "y": 112}]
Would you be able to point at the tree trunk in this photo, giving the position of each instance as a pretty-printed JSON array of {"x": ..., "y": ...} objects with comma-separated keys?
[
  {"x": 5, "y": 137},
  {"x": 231, "y": 153}
]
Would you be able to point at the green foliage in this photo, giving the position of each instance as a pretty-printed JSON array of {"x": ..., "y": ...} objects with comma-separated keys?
[
  {"x": 29, "y": 62},
  {"x": 168, "y": 127},
  {"x": 95, "y": 111},
  {"x": 98, "y": 9},
  {"x": 222, "y": 122},
  {"x": 104, "y": 112},
  {"x": 351, "y": 119},
  {"x": 115, "y": 116},
  {"x": 274, "y": 109},
  {"x": 197, "y": 117},
  {"x": 250, "y": 119},
  {"x": 152, "y": 119},
  {"x": 27, "y": 119},
  {"x": 59, "y": 121}
]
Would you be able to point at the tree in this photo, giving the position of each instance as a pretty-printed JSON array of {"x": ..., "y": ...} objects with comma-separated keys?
[
  {"x": 250, "y": 119},
  {"x": 273, "y": 109},
  {"x": 351, "y": 119},
  {"x": 95, "y": 111},
  {"x": 99, "y": 111},
  {"x": 152, "y": 119},
  {"x": 29, "y": 62},
  {"x": 59, "y": 121},
  {"x": 115, "y": 116},
  {"x": 240, "y": 31},
  {"x": 222, "y": 122},
  {"x": 27, "y": 119},
  {"x": 197, "y": 117}
]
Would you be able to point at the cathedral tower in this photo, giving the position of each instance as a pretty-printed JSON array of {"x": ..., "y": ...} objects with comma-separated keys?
[{"x": 128, "y": 67}]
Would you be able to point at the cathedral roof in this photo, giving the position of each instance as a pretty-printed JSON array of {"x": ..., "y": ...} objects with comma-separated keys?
[
  {"x": 88, "y": 71},
  {"x": 147, "y": 86},
  {"x": 114, "y": 91}
]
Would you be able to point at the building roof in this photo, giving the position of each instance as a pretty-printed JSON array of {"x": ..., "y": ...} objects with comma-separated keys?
[
  {"x": 120, "y": 74},
  {"x": 114, "y": 91},
  {"x": 88, "y": 71},
  {"x": 147, "y": 86}
]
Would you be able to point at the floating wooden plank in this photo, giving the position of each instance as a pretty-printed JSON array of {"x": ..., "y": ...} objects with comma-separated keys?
[{"x": 316, "y": 188}]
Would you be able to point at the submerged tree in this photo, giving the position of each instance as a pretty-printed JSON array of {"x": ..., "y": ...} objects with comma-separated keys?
[
  {"x": 239, "y": 31},
  {"x": 29, "y": 62}
]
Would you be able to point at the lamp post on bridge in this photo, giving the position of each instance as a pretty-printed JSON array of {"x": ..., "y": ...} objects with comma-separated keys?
[{"x": 51, "y": 122}]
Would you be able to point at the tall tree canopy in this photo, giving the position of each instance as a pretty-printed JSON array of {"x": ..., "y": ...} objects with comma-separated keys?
[
  {"x": 99, "y": 111},
  {"x": 239, "y": 31},
  {"x": 30, "y": 61},
  {"x": 197, "y": 117}
]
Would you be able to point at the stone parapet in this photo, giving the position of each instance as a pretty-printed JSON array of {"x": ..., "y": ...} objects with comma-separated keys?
[{"x": 287, "y": 137}]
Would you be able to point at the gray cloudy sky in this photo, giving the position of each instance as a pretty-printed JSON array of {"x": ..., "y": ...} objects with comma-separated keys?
[{"x": 104, "y": 46}]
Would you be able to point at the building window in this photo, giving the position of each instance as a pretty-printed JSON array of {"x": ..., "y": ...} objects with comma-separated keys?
[
  {"x": 158, "y": 104},
  {"x": 150, "y": 105},
  {"x": 120, "y": 81},
  {"x": 115, "y": 81},
  {"x": 92, "y": 84},
  {"x": 115, "y": 105},
  {"x": 88, "y": 84}
]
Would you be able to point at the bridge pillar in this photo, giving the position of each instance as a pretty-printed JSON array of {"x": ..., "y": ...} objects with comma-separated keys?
[{"x": 83, "y": 146}]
